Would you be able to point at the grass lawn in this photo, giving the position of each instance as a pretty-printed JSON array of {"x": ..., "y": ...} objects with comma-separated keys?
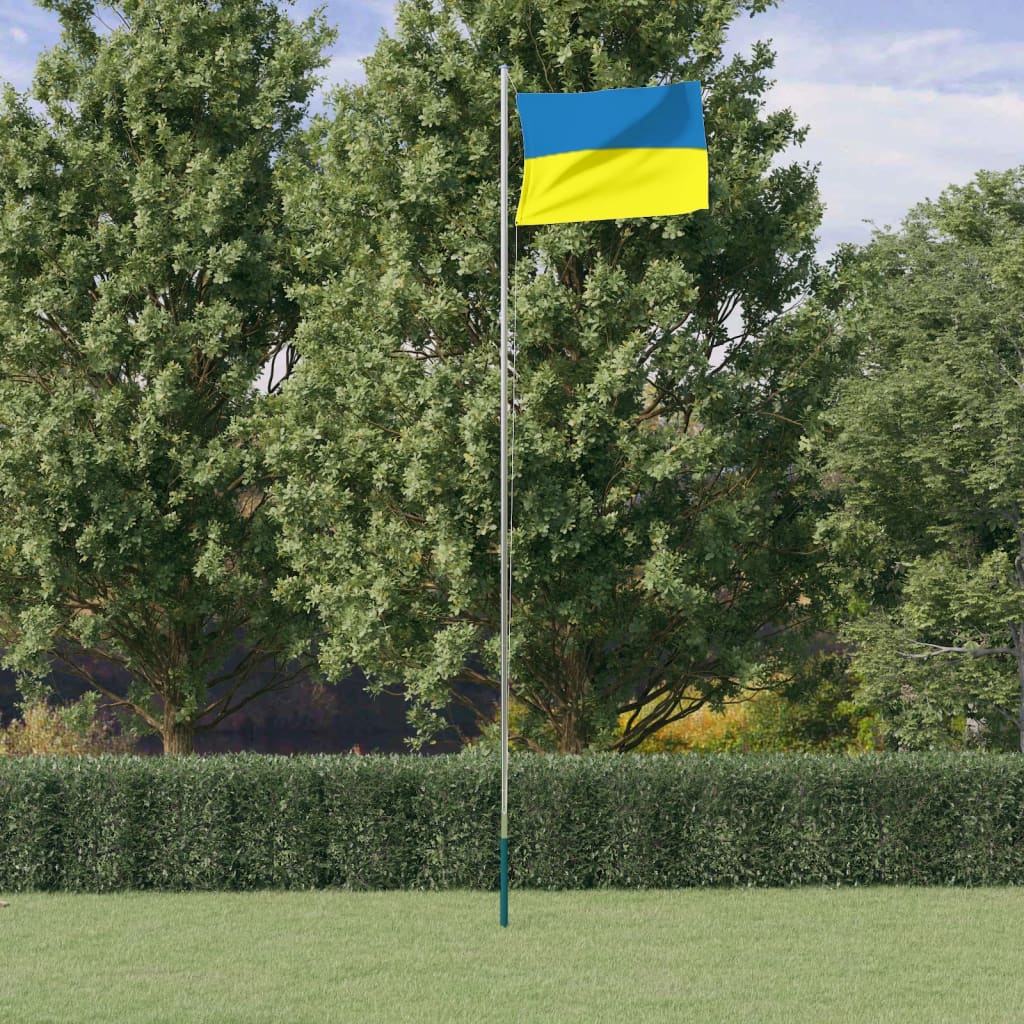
[{"x": 822, "y": 955}]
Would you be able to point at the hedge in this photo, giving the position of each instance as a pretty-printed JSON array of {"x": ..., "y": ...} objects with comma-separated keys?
[{"x": 632, "y": 821}]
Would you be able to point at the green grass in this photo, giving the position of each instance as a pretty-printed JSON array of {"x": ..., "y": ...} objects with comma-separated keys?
[{"x": 821, "y": 955}]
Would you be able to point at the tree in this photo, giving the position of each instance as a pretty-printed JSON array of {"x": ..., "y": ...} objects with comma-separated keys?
[
  {"x": 924, "y": 459},
  {"x": 660, "y": 544},
  {"x": 143, "y": 271}
]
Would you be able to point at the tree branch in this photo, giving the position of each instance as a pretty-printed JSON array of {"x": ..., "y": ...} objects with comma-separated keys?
[{"x": 937, "y": 650}]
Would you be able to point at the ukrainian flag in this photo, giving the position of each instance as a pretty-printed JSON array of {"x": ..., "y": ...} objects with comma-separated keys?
[{"x": 612, "y": 154}]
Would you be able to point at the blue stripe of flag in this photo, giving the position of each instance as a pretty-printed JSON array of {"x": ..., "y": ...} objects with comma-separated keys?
[{"x": 657, "y": 117}]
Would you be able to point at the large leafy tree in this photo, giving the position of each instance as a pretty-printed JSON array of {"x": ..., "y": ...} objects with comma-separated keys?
[
  {"x": 143, "y": 268},
  {"x": 925, "y": 459},
  {"x": 660, "y": 547}
]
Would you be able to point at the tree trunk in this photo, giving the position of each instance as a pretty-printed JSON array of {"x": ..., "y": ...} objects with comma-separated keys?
[
  {"x": 570, "y": 719},
  {"x": 178, "y": 737},
  {"x": 569, "y": 730}
]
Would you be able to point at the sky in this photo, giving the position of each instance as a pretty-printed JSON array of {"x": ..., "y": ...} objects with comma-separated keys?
[{"x": 902, "y": 97}]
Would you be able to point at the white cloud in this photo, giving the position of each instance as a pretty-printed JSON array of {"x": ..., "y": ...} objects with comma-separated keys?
[
  {"x": 923, "y": 41},
  {"x": 882, "y": 149},
  {"x": 946, "y": 59},
  {"x": 895, "y": 117},
  {"x": 384, "y": 9},
  {"x": 344, "y": 68},
  {"x": 24, "y": 33},
  {"x": 16, "y": 70}
]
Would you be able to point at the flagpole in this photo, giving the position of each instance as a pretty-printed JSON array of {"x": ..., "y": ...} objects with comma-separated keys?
[{"x": 505, "y": 581}]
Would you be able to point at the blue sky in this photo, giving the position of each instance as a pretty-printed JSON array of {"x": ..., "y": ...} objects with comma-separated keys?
[{"x": 902, "y": 96}]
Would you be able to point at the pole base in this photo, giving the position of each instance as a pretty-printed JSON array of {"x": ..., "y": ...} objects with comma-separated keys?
[{"x": 504, "y": 882}]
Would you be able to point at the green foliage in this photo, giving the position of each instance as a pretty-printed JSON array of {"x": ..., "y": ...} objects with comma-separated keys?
[
  {"x": 602, "y": 820},
  {"x": 661, "y": 517},
  {"x": 816, "y": 710},
  {"x": 143, "y": 268},
  {"x": 923, "y": 456}
]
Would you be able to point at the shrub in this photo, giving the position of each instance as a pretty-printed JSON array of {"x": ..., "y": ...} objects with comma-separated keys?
[
  {"x": 816, "y": 710},
  {"x": 73, "y": 729},
  {"x": 645, "y": 821},
  {"x": 707, "y": 730}
]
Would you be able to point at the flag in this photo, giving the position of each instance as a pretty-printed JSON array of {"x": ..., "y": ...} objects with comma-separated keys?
[{"x": 612, "y": 154}]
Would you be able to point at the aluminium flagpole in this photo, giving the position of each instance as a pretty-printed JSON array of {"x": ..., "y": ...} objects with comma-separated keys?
[{"x": 505, "y": 581}]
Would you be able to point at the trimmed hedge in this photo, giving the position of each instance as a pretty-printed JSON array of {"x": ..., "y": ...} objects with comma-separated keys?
[{"x": 635, "y": 821}]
